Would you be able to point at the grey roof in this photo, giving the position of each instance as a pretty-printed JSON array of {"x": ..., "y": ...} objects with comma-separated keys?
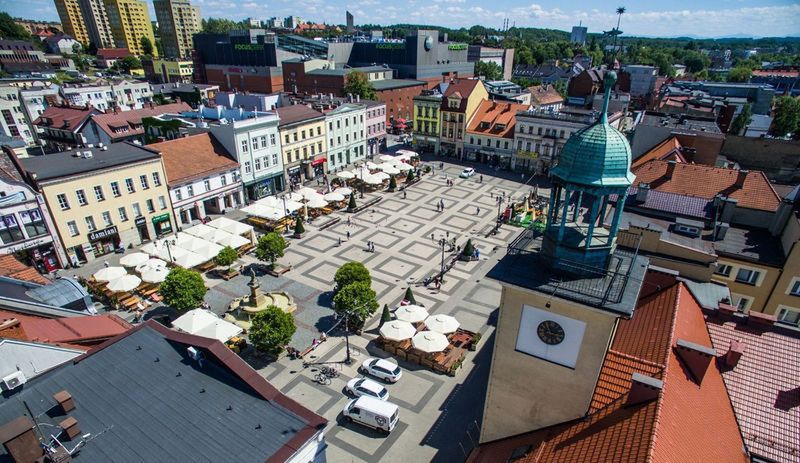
[
  {"x": 616, "y": 290},
  {"x": 179, "y": 87},
  {"x": 63, "y": 297},
  {"x": 143, "y": 399},
  {"x": 66, "y": 164},
  {"x": 755, "y": 245},
  {"x": 674, "y": 203},
  {"x": 63, "y": 292},
  {"x": 32, "y": 358},
  {"x": 388, "y": 84},
  {"x": 13, "y": 142},
  {"x": 708, "y": 294}
]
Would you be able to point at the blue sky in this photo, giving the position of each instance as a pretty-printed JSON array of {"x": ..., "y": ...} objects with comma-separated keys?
[{"x": 705, "y": 18}]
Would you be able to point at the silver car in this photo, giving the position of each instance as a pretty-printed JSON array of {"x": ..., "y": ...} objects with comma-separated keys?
[{"x": 358, "y": 387}]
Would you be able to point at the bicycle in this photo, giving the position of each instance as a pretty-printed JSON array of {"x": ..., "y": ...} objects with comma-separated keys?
[
  {"x": 322, "y": 379},
  {"x": 329, "y": 372}
]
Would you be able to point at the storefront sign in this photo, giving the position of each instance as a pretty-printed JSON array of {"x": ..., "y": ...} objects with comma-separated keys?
[
  {"x": 293, "y": 170},
  {"x": 248, "y": 47},
  {"x": 29, "y": 244},
  {"x": 161, "y": 218},
  {"x": 162, "y": 224},
  {"x": 234, "y": 69},
  {"x": 140, "y": 221},
  {"x": 317, "y": 162},
  {"x": 390, "y": 46},
  {"x": 457, "y": 46},
  {"x": 527, "y": 154},
  {"x": 104, "y": 233}
]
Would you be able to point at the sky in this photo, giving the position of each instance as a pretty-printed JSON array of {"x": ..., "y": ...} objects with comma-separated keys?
[{"x": 651, "y": 18}]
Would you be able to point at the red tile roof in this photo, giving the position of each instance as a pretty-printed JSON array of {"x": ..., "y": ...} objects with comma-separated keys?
[
  {"x": 12, "y": 268},
  {"x": 542, "y": 95},
  {"x": 707, "y": 182},
  {"x": 193, "y": 157},
  {"x": 296, "y": 113},
  {"x": 667, "y": 150},
  {"x": 491, "y": 116},
  {"x": 131, "y": 121},
  {"x": 688, "y": 422},
  {"x": 112, "y": 53},
  {"x": 764, "y": 386},
  {"x": 464, "y": 89},
  {"x": 56, "y": 116},
  {"x": 87, "y": 330}
]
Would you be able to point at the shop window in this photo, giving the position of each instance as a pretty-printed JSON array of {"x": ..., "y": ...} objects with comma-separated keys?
[
  {"x": 9, "y": 229},
  {"x": 33, "y": 222}
]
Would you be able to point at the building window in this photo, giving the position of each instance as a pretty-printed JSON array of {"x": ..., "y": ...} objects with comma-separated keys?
[
  {"x": 244, "y": 146},
  {"x": 223, "y": 179},
  {"x": 263, "y": 141},
  {"x": 303, "y": 135},
  {"x": 81, "y": 197},
  {"x": 741, "y": 303},
  {"x": 73, "y": 228},
  {"x": 156, "y": 179},
  {"x": 162, "y": 203},
  {"x": 115, "y": 189},
  {"x": 178, "y": 194},
  {"x": 143, "y": 181},
  {"x": 286, "y": 138},
  {"x": 129, "y": 185},
  {"x": 123, "y": 214},
  {"x": 254, "y": 142},
  {"x": 150, "y": 207},
  {"x": 33, "y": 223},
  {"x": 258, "y": 163},
  {"x": 9, "y": 229},
  {"x": 207, "y": 184},
  {"x": 330, "y": 125},
  {"x": 319, "y": 146},
  {"x": 794, "y": 290},
  {"x": 294, "y": 136},
  {"x": 137, "y": 211},
  {"x": 190, "y": 190},
  {"x": 724, "y": 270},
  {"x": 62, "y": 201},
  {"x": 747, "y": 276},
  {"x": 247, "y": 167},
  {"x": 98, "y": 193},
  {"x": 107, "y": 219},
  {"x": 90, "y": 223},
  {"x": 275, "y": 158},
  {"x": 789, "y": 316},
  {"x": 319, "y": 130}
]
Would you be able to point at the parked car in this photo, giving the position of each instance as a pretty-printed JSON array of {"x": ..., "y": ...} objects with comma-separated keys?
[
  {"x": 371, "y": 412},
  {"x": 360, "y": 387},
  {"x": 383, "y": 369},
  {"x": 467, "y": 173}
]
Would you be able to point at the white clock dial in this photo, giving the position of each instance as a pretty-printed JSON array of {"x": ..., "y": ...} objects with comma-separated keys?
[{"x": 550, "y": 336}]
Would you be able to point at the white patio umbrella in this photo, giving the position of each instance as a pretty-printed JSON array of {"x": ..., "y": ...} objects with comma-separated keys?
[
  {"x": 209, "y": 251},
  {"x": 231, "y": 226},
  {"x": 189, "y": 260},
  {"x": 430, "y": 341},
  {"x": 397, "y": 330},
  {"x": 442, "y": 323},
  {"x": 150, "y": 265},
  {"x": 200, "y": 230},
  {"x": 344, "y": 190},
  {"x": 371, "y": 165},
  {"x": 389, "y": 169},
  {"x": 345, "y": 174},
  {"x": 270, "y": 201},
  {"x": 411, "y": 313},
  {"x": 190, "y": 243},
  {"x": 134, "y": 259},
  {"x": 373, "y": 180},
  {"x": 317, "y": 202},
  {"x": 124, "y": 283},
  {"x": 334, "y": 196},
  {"x": 229, "y": 239},
  {"x": 381, "y": 176},
  {"x": 386, "y": 157},
  {"x": 307, "y": 192},
  {"x": 294, "y": 196},
  {"x": 154, "y": 274},
  {"x": 292, "y": 206},
  {"x": 161, "y": 251},
  {"x": 401, "y": 166},
  {"x": 109, "y": 273}
]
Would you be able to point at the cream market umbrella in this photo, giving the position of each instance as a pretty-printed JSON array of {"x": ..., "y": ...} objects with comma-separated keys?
[
  {"x": 386, "y": 158},
  {"x": 411, "y": 313},
  {"x": 201, "y": 231},
  {"x": 134, "y": 259},
  {"x": 109, "y": 273},
  {"x": 372, "y": 180},
  {"x": 344, "y": 190},
  {"x": 317, "y": 202},
  {"x": 380, "y": 176},
  {"x": 189, "y": 260},
  {"x": 388, "y": 169},
  {"x": 232, "y": 226},
  {"x": 270, "y": 201},
  {"x": 151, "y": 264},
  {"x": 190, "y": 243},
  {"x": 371, "y": 165},
  {"x": 334, "y": 196},
  {"x": 307, "y": 193},
  {"x": 442, "y": 323},
  {"x": 403, "y": 167},
  {"x": 430, "y": 341},
  {"x": 345, "y": 174},
  {"x": 294, "y": 196},
  {"x": 397, "y": 330},
  {"x": 209, "y": 251},
  {"x": 124, "y": 283},
  {"x": 154, "y": 274},
  {"x": 201, "y": 322},
  {"x": 162, "y": 252},
  {"x": 229, "y": 239}
]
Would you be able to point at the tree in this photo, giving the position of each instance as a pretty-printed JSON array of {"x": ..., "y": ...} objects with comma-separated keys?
[
  {"x": 358, "y": 84},
  {"x": 739, "y": 74},
  {"x": 410, "y": 296},
  {"x": 351, "y": 206},
  {"x": 469, "y": 249},
  {"x": 299, "y": 229},
  {"x": 270, "y": 248},
  {"x": 386, "y": 316},
  {"x": 147, "y": 46},
  {"x": 357, "y": 301},
  {"x": 226, "y": 257},
  {"x": 220, "y": 25},
  {"x": 787, "y": 116},
  {"x": 392, "y": 183},
  {"x": 352, "y": 272},
  {"x": 127, "y": 63},
  {"x": 696, "y": 62},
  {"x": 11, "y": 30},
  {"x": 410, "y": 177},
  {"x": 76, "y": 47},
  {"x": 489, "y": 70},
  {"x": 271, "y": 330},
  {"x": 741, "y": 121},
  {"x": 183, "y": 289}
]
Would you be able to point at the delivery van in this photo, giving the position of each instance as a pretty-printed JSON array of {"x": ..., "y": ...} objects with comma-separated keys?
[{"x": 372, "y": 412}]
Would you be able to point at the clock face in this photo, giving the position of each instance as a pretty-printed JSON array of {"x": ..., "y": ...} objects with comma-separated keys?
[{"x": 550, "y": 332}]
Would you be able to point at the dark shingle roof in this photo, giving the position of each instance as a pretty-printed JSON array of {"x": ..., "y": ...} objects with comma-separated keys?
[
  {"x": 389, "y": 84},
  {"x": 296, "y": 113},
  {"x": 143, "y": 399},
  {"x": 65, "y": 164}
]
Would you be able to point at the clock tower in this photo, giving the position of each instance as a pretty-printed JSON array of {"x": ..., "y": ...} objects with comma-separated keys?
[{"x": 564, "y": 289}]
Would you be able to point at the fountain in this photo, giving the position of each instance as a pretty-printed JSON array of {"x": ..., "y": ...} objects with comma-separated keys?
[{"x": 243, "y": 308}]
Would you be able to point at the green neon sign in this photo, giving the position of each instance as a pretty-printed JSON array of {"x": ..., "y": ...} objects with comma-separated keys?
[{"x": 248, "y": 47}]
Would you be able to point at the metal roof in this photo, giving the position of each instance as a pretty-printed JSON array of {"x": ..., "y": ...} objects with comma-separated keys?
[
  {"x": 598, "y": 155},
  {"x": 67, "y": 164}
]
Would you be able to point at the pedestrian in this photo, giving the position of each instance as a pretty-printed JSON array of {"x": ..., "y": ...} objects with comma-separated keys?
[
  {"x": 447, "y": 234},
  {"x": 404, "y": 194},
  {"x": 105, "y": 264},
  {"x": 348, "y": 235},
  {"x": 521, "y": 177},
  {"x": 431, "y": 236},
  {"x": 491, "y": 193},
  {"x": 340, "y": 241},
  {"x": 477, "y": 253},
  {"x": 477, "y": 211},
  {"x": 348, "y": 221}
]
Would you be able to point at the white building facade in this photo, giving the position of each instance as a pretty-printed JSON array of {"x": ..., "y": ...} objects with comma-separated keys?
[
  {"x": 14, "y": 121},
  {"x": 125, "y": 94},
  {"x": 214, "y": 193},
  {"x": 347, "y": 140}
]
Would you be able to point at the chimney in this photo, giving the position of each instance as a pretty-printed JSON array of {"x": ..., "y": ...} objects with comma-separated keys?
[
  {"x": 20, "y": 441},
  {"x": 70, "y": 427},
  {"x": 735, "y": 352},
  {"x": 642, "y": 192},
  {"x": 740, "y": 177},
  {"x": 64, "y": 400},
  {"x": 643, "y": 389},
  {"x": 761, "y": 319},
  {"x": 670, "y": 169},
  {"x": 695, "y": 357}
]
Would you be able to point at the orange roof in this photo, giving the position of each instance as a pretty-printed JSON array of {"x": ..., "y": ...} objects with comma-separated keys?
[
  {"x": 193, "y": 157},
  {"x": 687, "y": 422},
  {"x": 12, "y": 268},
  {"x": 89, "y": 329},
  {"x": 667, "y": 150},
  {"x": 496, "y": 119},
  {"x": 707, "y": 182}
]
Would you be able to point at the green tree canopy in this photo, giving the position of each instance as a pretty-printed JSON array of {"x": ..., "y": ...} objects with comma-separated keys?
[
  {"x": 358, "y": 300},
  {"x": 127, "y": 63},
  {"x": 11, "y": 30},
  {"x": 741, "y": 121},
  {"x": 696, "y": 62},
  {"x": 183, "y": 289},
  {"x": 271, "y": 330},
  {"x": 226, "y": 257},
  {"x": 270, "y": 247},
  {"x": 787, "y": 117},
  {"x": 352, "y": 272},
  {"x": 410, "y": 296},
  {"x": 299, "y": 229},
  {"x": 489, "y": 70},
  {"x": 739, "y": 74},
  {"x": 220, "y": 25},
  {"x": 147, "y": 46},
  {"x": 358, "y": 84}
]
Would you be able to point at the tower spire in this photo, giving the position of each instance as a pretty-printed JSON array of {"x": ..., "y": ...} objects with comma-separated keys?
[{"x": 609, "y": 80}]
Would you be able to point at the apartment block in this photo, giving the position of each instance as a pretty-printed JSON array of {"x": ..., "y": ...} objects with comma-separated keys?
[
  {"x": 130, "y": 22},
  {"x": 178, "y": 21}
]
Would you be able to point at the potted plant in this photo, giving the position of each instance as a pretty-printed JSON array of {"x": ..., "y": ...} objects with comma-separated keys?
[
  {"x": 226, "y": 257},
  {"x": 474, "y": 344},
  {"x": 468, "y": 253},
  {"x": 299, "y": 229},
  {"x": 351, "y": 206},
  {"x": 392, "y": 183}
]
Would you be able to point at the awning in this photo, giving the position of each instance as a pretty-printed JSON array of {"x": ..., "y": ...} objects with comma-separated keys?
[{"x": 317, "y": 162}]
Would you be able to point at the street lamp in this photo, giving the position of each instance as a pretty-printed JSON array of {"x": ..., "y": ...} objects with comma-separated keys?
[
  {"x": 361, "y": 173},
  {"x": 285, "y": 211},
  {"x": 442, "y": 243},
  {"x": 167, "y": 242},
  {"x": 499, "y": 202}
]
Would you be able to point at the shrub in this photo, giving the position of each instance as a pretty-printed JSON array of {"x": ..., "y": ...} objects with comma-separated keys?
[
  {"x": 271, "y": 330},
  {"x": 226, "y": 257},
  {"x": 270, "y": 248},
  {"x": 352, "y": 272},
  {"x": 183, "y": 289}
]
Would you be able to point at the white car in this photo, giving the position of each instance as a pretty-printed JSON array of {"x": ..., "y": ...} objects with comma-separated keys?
[
  {"x": 359, "y": 387},
  {"x": 467, "y": 173},
  {"x": 383, "y": 369}
]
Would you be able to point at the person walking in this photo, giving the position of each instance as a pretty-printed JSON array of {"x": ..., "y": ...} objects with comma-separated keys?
[
  {"x": 404, "y": 194},
  {"x": 348, "y": 221},
  {"x": 480, "y": 179},
  {"x": 348, "y": 235},
  {"x": 477, "y": 211},
  {"x": 432, "y": 237}
]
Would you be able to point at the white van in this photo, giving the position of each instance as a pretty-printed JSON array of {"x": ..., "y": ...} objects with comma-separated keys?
[{"x": 372, "y": 412}]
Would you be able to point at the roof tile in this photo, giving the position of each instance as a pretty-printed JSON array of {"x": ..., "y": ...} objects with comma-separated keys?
[{"x": 193, "y": 157}]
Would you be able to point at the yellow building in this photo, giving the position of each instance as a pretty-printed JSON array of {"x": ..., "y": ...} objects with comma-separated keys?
[
  {"x": 69, "y": 12},
  {"x": 427, "y": 121},
  {"x": 460, "y": 101},
  {"x": 178, "y": 21},
  {"x": 303, "y": 142},
  {"x": 785, "y": 298},
  {"x": 172, "y": 70},
  {"x": 130, "y": 22},
  {"x": 102, "y": 199}
]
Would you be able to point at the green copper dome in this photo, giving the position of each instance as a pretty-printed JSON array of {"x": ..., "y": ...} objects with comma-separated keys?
[{"x": 598, "y": 155}]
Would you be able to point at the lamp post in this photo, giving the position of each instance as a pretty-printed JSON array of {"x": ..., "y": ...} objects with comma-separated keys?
[
  {"x": 167, "y": 242},
  {"x": 442, "y": 243},
  {"x": 285, "y": 211},
  {"x": 361, "y": 173},
  {"x": 499, "y": 202}
]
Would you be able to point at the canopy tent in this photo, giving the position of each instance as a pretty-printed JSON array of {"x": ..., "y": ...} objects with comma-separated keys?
[
  {"x": 202, "y": 322},
  {"x": 124, "y": 283},
  {"x": 372, "y": 180},
  {"x": 133, "y": 259},
  {"x": 334, "y": 196},
  {"x": 380, "y": 176},
  {"x": 294, "y": 196},
  {"x": 189, "y": 242},
  {"x": 386, "y": 158},
  {"x": 411, "y": 313},
  {"x": 229, "y": 239},
  {"x": 371, "y": 165},
  {"x": 190, "y": 259},
  {"x": 201, "y": 231},
  {"x": 430, "y": 341},
  {"x": 317, "y": 202},
  {"x": 109, "y": 273},
  {"x": 344, "y": 190},
  {"x": 209, "y": 251},
  {"x": 151, "y": 264},
  {"x": 389, "y": 169},
  {"x": 259, "y": 210},
  {"x": 159, "y": 249},
  {"x": 442, "y": 323},
  {"x": 270, "y": 201},
  {"x": 231, "y": 226},
  {"x": 307, "y": 193},
  {"x": 397, "y": 330},
  {"x": 401, "y": 166}
]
